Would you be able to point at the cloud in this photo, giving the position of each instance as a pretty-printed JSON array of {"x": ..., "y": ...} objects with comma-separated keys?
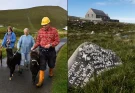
[
  {"x": 101, "y": 3},
  {"x": 109, "y": 2},
  {"x": 115, "y": 2},
  {"x": 130, "y": 1},
  {"x": 19, "y": 4}
]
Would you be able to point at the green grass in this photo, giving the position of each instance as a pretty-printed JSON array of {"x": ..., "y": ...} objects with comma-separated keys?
[
  {"x": 59, "y": 84},
  {"x": 62, "y": 34},
  {"x": 31, "y": 17},
  {"x": 118, "y": 80}
]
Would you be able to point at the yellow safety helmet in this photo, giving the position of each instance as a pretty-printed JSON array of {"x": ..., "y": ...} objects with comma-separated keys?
[{"x": 45, "y": 21}]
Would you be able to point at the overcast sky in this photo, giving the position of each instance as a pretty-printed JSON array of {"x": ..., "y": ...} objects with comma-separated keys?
[{"x": 20, "y": 4}]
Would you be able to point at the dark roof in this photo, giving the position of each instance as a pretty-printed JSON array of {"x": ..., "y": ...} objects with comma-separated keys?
[{"x": 98, "y": 12}]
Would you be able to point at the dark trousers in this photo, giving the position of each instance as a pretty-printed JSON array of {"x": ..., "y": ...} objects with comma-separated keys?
[
  {"x": 47, "y": 56},
  {"x": 9, "y": 52}
]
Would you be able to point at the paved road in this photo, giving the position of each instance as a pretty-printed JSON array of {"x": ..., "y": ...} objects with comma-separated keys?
[{"x": 22, "y": 83}]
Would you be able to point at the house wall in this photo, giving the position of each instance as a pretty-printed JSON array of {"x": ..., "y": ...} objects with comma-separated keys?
[
  {"x": 92, "y": 19},
  {"x": 90, "y": 14},
  {"x": 104, "y": 18}
]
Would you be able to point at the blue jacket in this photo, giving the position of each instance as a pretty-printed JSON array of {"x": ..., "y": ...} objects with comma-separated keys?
[
  {"x": 25, "y": 43},
  {"x": 12, "y": 40}
]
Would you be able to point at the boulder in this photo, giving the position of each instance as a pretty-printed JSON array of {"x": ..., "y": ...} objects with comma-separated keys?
[
  {"x": 89, "y": 60},
  {"x": 92, "y": 32}
]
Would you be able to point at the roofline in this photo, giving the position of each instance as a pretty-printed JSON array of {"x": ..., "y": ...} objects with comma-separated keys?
[{"x": 99, "y": 10}]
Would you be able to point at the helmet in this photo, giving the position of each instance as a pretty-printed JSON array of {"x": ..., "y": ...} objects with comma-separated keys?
[{"x": 45, "y": 21}]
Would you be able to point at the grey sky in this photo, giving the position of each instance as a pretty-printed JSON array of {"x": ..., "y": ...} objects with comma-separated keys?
[{"x": 20, "y": 4}]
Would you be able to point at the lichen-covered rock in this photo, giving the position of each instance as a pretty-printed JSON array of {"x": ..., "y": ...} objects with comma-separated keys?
[{"x": 89, "y": 59}]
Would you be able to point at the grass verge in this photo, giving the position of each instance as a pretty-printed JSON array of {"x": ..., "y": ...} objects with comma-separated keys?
[{"x": 59, "y": 84}]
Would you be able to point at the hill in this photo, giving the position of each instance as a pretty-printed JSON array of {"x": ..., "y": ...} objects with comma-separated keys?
[{"x": 32, "y": 17}]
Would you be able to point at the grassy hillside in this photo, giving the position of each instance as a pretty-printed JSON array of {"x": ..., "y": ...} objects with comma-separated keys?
[
  {"x": 120, "y": 79},
  {"x": 32, "y": 17}
]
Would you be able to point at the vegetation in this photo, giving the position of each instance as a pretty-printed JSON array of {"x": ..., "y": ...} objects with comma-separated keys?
[
  {"x": 59, "y": 84},
  {"x": 120, "y": 79},
  {"x": 102, "y": 27},
  {"x": 62, "y": 33},
  {"x": 32, "y": 17}
]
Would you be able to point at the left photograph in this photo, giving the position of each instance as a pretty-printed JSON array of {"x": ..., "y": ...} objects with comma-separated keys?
[{"x": 33, "y": 46}]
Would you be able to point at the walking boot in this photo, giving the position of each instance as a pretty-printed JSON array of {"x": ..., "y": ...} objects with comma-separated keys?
[
  {"x": 41, "y": 78},
  {"x": 51, "y": 72}
]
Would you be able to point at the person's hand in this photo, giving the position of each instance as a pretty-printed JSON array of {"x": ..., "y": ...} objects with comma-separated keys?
[
  {"x": 8, "y": 41},
  {"x": 1, "y": 47},
  {"x": 47, "y": 46},
  {"x": 32, "y": 48},
  {"x": 18, "y": 49}
]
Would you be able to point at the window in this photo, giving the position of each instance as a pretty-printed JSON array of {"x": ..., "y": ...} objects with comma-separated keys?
[
  {"x": 88, "y": 15},
  {"x": 91, "y": 15},
  {"x": 97, "y": 16}
]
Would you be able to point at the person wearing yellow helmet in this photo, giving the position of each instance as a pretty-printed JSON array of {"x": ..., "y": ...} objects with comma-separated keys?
[
  {"x": 45, "y": 21},
  {"x": 46, "y": 40}
]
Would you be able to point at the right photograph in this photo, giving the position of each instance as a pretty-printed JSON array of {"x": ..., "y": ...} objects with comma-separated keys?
[{"x": 101, "y": 46}]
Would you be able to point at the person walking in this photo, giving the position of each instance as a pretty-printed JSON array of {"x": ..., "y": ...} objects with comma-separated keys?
[
  {"x": 25, "y": 44},
  {"x": 46, "y": 40},
  {"x": 9, "y": 40}
]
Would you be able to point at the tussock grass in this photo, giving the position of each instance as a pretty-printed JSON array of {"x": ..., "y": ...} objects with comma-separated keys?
[{"x": 118, "y": 80}]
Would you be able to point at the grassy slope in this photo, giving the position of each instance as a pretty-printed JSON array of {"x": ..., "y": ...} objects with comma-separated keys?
[
  {"x": 119, "y": 80},
  {"x": 31, "y": 17},
  {"x": 59, "y": 84}
]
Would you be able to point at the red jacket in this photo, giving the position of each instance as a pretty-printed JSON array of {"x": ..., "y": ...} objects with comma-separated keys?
[{"x": 47, "y": 37}]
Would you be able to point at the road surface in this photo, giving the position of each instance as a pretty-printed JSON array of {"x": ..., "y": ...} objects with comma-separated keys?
[{"x": 23, "y": 83}]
